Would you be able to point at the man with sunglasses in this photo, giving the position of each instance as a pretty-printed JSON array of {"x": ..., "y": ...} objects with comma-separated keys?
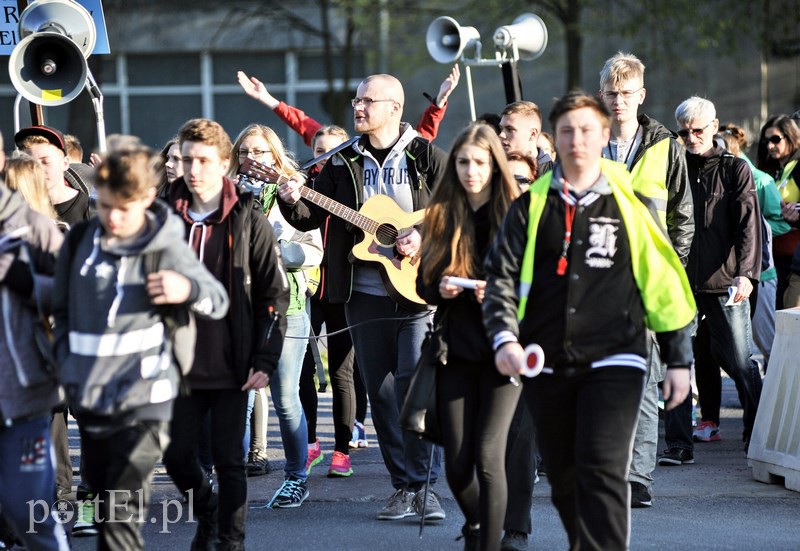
[
  {"x": 389, "y": 159},
  {"x": 658, "y": 165},
  {"x": 724, "y": 266}
]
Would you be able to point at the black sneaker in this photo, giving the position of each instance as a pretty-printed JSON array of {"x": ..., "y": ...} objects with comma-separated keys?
[
  {"x": 205, "y": 538},
  {"x": 292, "y": 493},
  {"x": 257, "y": 464},
  {"x": 676, "y": 456},
  {"x": 640, "y": 496},
  {"x": 514, "y": 541},
  {"x": 471, "y": 537}
]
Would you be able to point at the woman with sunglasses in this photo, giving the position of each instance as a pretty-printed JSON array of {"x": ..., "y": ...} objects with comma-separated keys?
[{"x": 778, "y": 156}]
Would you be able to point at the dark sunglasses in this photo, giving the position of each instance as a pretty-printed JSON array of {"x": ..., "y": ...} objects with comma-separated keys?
[
  {"x": 774, "y": 139},
  {"x": 697, "y": 132}
]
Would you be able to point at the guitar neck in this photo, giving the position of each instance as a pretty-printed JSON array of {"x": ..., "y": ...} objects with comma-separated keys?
[{"x": 340, "y": 210}]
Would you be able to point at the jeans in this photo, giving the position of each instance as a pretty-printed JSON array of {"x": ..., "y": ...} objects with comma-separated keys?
[
  {"x": 585, "y": 421},
  {"x": 285, "y": 389},
  {"x": 27, "y": 473},
  {"x": 388, "y": 352},
  {"x": 764, "y": 319},
  {"x": 227, "y": 408},
  {"x": 119, "y": 468},
  {"x": 724, "y": 339},
  {"x": 645, "y": 442}
]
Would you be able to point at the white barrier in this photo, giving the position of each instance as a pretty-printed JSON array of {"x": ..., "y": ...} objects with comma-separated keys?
[{"x": 775, "y": 443}]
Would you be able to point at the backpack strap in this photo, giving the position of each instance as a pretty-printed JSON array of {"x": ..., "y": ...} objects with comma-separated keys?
[{"x": 419, "y": 153}]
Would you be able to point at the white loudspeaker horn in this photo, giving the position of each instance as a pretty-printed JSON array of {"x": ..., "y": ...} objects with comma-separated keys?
[
  {"x": 48, "y": 66},
  {"x": 447, "y": 40},
  {"x": 528, "y": 32}
]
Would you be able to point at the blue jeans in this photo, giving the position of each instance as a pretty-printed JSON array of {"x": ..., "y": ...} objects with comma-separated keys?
[
  {"x": 387, "y": 354},
  {"x": 28, "y": 483},
  {"x": 724, "y": 339},
  {"x": 285, "y": 389}
]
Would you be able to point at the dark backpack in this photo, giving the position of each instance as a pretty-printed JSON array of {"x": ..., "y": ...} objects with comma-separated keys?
[{"x": 179, "y": 321}]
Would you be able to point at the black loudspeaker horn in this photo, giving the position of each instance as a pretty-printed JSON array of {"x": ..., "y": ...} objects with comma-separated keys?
[{"x": 48, "y": 66}]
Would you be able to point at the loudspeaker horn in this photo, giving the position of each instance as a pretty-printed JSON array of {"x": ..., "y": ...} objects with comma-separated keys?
[
  {"x": 64, "y": 17},
  {"x": 48, "y": 69},
  {"x": 528, "y": 33},
  {"x": 447, "y": 40},
  {"x": 48, "y": 66}
]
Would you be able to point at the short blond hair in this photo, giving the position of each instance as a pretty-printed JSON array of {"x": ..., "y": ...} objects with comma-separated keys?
[{"x": 621, "y": 68}]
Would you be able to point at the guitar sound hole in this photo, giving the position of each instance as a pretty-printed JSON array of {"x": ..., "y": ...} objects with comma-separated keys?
[{"x": 386, "y": 235}]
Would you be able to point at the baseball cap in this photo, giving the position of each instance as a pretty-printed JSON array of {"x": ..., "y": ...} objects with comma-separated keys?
[{"x": 50, "y": 134}]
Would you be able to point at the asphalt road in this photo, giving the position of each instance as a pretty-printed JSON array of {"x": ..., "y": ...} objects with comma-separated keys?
[{"x": 713, "y": 504}]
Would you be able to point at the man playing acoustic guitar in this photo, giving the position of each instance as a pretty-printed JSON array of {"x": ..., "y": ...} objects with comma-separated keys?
[{"x": 389, "y": 159}]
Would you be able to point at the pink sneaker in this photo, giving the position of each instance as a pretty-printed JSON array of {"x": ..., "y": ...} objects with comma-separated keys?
[
  {"x": 340, "y": 465},
  {"x": 315, "y": 456},
  {"x": 706, "y": 431}
]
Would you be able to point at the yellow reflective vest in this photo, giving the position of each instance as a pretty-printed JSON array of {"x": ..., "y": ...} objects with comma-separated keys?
[{"x": 660, "y": 277}]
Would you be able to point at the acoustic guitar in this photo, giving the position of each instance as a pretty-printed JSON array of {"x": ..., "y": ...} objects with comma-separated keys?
[{"x": 380, "y": 219}]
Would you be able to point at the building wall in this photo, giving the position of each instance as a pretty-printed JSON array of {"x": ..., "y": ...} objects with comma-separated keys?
[{"x": 168, "y": 65}]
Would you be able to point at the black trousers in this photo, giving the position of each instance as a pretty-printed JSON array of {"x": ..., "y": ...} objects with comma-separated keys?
[
  {"x": 119, "y": 470},
  {"x": 585, "y": 422},
  {"x": 520, "y": 469},
  {"x": 476, "y": 405},
  {"x": 228, "y": 409},
  {"x": 349, "y": 393}
]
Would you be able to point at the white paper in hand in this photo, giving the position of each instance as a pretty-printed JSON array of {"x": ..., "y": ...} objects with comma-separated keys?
[{"x": 732, "y": 290}]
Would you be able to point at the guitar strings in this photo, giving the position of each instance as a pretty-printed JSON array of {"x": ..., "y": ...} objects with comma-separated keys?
[{"x": 427, "y": 313}]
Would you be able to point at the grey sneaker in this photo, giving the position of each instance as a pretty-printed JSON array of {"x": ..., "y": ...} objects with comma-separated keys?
[
  {"x": 292, "y": 493},
  {"x": 427, "y": 497},
  {"x": 399, "y": 506}
]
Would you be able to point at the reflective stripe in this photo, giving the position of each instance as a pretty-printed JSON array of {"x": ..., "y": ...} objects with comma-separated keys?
[
  {"x": 650, "y": 176},
  {"x": 627, "y": 360},
  {"x": 117, "y": 344}
]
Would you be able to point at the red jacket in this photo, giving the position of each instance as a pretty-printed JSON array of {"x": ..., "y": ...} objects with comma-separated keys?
[{"x": 306, "y": 126}]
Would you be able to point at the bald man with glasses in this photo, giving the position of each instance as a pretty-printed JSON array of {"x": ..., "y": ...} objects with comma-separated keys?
[{"x": 388, "y": 159}]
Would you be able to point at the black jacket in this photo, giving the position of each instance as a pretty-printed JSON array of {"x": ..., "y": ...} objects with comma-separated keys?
[
  {"x": 257, "y": 284},
  {"x": 727, "y": 241},
  {"x": 462, "y": 325},
  {"x": 590, "y": 313},
  {"x": 342, "y": 179}
]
